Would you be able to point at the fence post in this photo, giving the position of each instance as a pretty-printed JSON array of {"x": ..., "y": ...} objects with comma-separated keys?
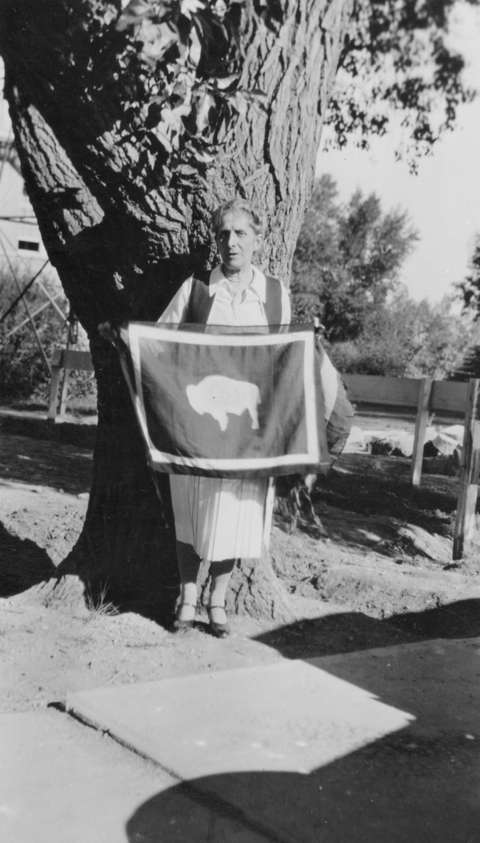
[
  {"x": 467, "y": 498},
  {"x": 63, "y": 393},
  {"x": 56, "y": 368},
  {"x": 421, "y": 423}
]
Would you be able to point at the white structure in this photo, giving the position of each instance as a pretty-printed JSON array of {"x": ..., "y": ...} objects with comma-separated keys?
[{"x": 20, "y": 242}]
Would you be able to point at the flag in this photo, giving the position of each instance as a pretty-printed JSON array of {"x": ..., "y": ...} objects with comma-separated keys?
[
  {"x": 227, "y": 402},
  {"x": 338, "y": 410}
]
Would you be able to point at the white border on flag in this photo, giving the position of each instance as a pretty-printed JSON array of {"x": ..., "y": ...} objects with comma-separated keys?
[{"x": 160, "y": 459}]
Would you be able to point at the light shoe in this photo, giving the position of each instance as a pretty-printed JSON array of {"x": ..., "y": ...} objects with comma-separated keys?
[
  {"x": 218, "y": 627},
  {"x": 185, "y": 617}
]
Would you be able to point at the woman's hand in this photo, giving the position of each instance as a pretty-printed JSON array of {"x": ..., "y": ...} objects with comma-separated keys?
[{"x": 309, "y": 481}]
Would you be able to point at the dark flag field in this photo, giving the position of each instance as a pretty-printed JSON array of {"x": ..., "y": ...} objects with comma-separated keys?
[{"x": 229, "y": 402}]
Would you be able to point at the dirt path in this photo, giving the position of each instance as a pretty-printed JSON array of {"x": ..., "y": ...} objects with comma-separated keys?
[{"x": 383, "y": 575}]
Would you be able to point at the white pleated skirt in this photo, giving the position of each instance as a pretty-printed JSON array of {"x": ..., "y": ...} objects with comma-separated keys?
[{"x": 223, "y": 518}]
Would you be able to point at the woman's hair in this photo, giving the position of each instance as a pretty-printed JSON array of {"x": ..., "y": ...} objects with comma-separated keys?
[{"x": 236, "y": 205}]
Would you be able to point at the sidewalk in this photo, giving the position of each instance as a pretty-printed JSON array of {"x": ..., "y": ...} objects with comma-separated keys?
[
  {"x": 365, "y": 747},
  {"x": 61, "y": 782},
  {"x": 362, "y": 747}
]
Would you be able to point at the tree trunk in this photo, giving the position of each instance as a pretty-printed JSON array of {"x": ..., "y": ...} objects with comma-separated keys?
[{"x": 123, "y": 240}]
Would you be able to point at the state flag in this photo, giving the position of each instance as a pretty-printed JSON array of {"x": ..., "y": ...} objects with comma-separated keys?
[{"x": 227, "y": 402}]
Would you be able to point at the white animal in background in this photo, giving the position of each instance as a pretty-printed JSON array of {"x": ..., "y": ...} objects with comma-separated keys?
[{"x": 219, "y": 396}]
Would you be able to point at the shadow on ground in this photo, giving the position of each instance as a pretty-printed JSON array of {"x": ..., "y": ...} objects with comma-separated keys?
[
  {"x": 348, "y": 632},
  {"x": 22, "y": 564},
  {"x": 419, "y": 783},
  {"x": 388, "y": 791},
  {"x": 381, "y": 486},
  {"x": 60, "y": 466}
]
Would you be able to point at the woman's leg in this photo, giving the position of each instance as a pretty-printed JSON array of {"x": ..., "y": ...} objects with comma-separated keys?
[
  {"x": 188, "y": 567},
  {"x": 220, "y": 573}
]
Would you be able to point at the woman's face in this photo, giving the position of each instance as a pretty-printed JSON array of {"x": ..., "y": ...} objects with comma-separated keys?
[{"x": 236, "y": 241}]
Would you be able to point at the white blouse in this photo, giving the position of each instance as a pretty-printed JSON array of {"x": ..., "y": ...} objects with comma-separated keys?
[{"x": 228, "y": 308}]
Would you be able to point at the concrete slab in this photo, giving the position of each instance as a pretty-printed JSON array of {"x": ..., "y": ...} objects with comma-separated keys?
[
  {"x": 371, "y": 746},
  {"x": 63, "y": 783},
  {"x": 437, "y": 682},
  {"x": 285, "y": 716}
]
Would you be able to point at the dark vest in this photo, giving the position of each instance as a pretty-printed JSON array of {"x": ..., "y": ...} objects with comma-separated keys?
[{"x": 200, "y": 302}]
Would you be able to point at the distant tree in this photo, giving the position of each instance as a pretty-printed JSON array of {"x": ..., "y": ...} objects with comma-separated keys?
[
  {"x": 406, "y": 338},
  {"x": 23, "y": 370},
  {"x": 447, "y": 336},
  {"x": 348, "y": 259},
  {"x": 469, "y": 288}
]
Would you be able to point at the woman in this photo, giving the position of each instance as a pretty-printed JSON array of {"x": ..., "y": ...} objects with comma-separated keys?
[{"x": 219, "y": 519}]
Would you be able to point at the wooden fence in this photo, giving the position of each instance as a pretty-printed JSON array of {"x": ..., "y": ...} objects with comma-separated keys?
[
  {"x": 421, "y": 399},
  {"x": 63, "y": 362},
  {"x": 424, "y": 399}
]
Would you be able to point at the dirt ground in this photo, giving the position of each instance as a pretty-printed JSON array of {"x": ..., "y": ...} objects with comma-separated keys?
[{"x": 383, "y": 574}]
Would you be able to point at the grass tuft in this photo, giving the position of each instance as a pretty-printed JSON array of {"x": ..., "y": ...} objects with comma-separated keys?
[{"x": 99, "y": 605}]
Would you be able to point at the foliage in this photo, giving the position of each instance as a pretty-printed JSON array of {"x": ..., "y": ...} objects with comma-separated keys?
[
  {"x": 181, "y": 62},
  {"x": 397, "y": 58},
  {"x": 180, "y": 100},
  {"x": 22, "y": 367},
  {"x": 396, "y": 54},
  {"x": 347, "y": 270},
  {"x": 408, "y": 338},
  {"x": 347, "y": 259},
  {"x": 469, "y": 289},
  {"x": 23, "y": 371}
]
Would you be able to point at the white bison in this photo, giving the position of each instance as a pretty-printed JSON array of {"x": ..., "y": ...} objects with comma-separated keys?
[{"x": 219, "y": 395}]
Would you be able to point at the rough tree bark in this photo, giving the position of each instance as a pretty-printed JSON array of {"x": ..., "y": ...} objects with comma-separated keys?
[{"x": 122, "y": 240}]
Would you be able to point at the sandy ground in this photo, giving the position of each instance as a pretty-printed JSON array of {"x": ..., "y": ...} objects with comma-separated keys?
[{"x": 382, "y": 575}]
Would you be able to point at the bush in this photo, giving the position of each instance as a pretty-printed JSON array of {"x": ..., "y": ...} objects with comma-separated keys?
[
  {"x": 24, "y": 375},
  {"x": 409, "y": 339}
]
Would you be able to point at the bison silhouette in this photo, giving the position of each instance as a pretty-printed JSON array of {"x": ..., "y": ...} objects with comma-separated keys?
[{"x": 218, "y": 396}]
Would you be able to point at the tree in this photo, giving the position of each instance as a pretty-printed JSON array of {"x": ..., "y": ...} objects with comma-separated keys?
[
  {"x": 23, "y": 369},
  {"x": 469, "y": 288},
  {"x": 347, "y": 259},
  {"x": 398, "y": 59},
  {"x": 24, "y": 353},
  {"x": 132, "y": 120},
  {"x": 468, "y": 292},
  {"x": 405, "y": 338}
]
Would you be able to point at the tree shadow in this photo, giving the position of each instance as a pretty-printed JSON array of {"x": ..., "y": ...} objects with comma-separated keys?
[
  {"x": 58, "y": 465},
  {"x": 349, "y": 632},
  {"x": 23, "y": 564},
  {"x": 382, "y": 486},
  {"x": 460, "y": 619},
  {"x": 417, "y": 781},
  {"x": 385, "y": 792},
  {"x": 369, "y": 503}
]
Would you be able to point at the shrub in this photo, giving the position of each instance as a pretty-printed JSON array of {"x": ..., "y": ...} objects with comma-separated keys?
[{"x": 24, "y": 375}]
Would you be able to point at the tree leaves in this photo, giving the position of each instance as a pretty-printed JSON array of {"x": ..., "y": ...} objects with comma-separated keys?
[
  {"x": 135, "y": 12},
  {"x": 397, "y": 57},
  {"x": 469, "y": 288},
  {"x": 347, "y": 259},
  {"x": 189, "y": 50}
]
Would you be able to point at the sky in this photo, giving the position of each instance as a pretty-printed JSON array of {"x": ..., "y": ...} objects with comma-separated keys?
[{"x": 443, "y": 199}]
